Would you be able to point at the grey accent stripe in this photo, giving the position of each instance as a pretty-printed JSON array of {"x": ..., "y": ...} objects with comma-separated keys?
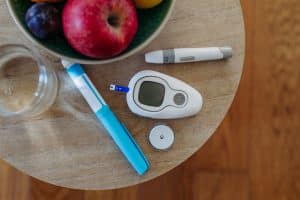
[
  {"x": 169, "y": 56},
  {"x": 187, "y": 59}
]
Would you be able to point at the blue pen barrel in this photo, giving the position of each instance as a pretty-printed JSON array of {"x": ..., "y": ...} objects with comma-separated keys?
[
  {"x": 123, "y": 139},
  {"x": 121, "y": 136}
]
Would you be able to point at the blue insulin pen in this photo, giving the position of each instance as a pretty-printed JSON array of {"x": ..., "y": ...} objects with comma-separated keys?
[{"x": 114, "y": 127}]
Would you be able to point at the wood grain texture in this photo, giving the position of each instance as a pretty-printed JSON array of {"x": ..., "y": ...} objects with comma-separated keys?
[
  {"x": 66, "y": 146},
  {"x": 256, "y": 148}
]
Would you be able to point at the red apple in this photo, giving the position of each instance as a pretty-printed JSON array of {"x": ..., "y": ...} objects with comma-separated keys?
[{"x": 99, "y": 28}]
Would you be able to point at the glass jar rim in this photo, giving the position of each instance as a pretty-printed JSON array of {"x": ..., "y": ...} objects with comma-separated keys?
[{"x": 43, "y": 79}]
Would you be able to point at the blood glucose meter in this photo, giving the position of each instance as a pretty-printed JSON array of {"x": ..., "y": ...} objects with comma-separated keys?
[{"x": 159, "y": 96}]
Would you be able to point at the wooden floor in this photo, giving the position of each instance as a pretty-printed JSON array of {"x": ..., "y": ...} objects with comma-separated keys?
[{"x": 254, "y": 155}]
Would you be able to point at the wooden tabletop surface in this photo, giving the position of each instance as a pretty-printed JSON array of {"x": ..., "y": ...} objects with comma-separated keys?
[{"x": 67, "y": 147}]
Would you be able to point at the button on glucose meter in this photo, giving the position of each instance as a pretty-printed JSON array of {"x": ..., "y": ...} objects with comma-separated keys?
[
  {"x": 179, "y": 99},
  {"x": 159, "y": 96},
  {"x": 161, "y": 137}
]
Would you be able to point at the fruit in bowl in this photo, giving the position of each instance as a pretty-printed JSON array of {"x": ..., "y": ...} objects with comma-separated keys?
[
  {"x": 99, "y": 28},
  {"x": 43, "y": 20},
  {"x": 146, "y": 4},
  {"x": 150, "y": 23}
]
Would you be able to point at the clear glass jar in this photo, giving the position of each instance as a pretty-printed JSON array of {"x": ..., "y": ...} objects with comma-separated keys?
[{"x": 28, "y": 83}]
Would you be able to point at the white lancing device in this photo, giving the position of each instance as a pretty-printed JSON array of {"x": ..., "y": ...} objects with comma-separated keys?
[{"x": 186, "y": 55}]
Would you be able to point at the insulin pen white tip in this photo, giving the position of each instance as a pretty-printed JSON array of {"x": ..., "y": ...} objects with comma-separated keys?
[
  {"x": 66, "y": 63},
  {"x": 154, "y": 57}
]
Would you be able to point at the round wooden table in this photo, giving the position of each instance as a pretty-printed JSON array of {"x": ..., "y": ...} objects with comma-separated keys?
[{"x": 68, "y": 147}]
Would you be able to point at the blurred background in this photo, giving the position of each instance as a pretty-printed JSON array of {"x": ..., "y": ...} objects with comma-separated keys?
[{"x": 255, "y": 153}]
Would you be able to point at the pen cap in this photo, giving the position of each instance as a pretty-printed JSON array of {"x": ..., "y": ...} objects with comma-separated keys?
[{"x": 124, "y": 140}]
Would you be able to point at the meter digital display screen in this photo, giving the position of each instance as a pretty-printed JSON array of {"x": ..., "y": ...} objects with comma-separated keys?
[{"x": 151, "y": 93}]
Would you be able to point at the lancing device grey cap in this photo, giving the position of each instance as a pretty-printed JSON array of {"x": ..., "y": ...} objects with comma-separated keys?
[{"x": 226, "y": 51}]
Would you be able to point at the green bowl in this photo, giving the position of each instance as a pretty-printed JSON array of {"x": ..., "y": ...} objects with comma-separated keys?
[{"x": 151, "y": 22}]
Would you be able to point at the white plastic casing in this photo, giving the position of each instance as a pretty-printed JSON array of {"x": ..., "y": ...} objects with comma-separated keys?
[
  {"x": 200, "y": 54},
  {"x": 169, "y": 109},
  {"x": 185, "y": 55}
]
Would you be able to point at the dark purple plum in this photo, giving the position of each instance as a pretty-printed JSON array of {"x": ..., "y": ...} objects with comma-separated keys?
[{"x": 43, "y": 20}]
